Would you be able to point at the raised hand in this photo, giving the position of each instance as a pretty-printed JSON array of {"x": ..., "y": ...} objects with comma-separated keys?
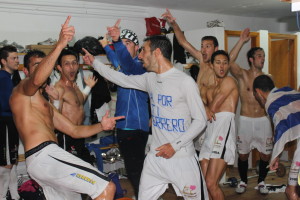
[
  {"x": 104, "y": 42},
  {"x": 90, "y": 81},
  {"x": 52, "y": 92},
  {"x": 88, "y": 58},
  {"x": 168, "y": 16},
  {"x": 108, "y": 123},
  {"x": 245, "y": 35},
  {"x": 66, "y": 34},
  {"x": 114, "y": 31}
]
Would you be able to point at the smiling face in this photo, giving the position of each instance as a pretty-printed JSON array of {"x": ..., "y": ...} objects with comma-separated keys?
[
  {"x": 68, "y": 68},
  {"x": 221, "y": 66},
  {"x": 207, "y": 49}
]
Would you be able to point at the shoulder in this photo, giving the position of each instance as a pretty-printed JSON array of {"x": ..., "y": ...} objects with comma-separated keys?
[{"x": 229, "y": 81}]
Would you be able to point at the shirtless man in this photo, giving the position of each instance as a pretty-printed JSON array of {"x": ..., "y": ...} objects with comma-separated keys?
[
  {"x": 205, "y": 78},
  {"x": 218, "y": 148},
  {"x": 69, "y": 101},
  {"x": 209, "y": 44},
  {"x": 254, "y": 129},
  {"x": 57, "y": 171}
]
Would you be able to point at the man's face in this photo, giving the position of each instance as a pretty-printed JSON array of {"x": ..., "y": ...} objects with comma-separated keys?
[
  {"x": 220, "y": 66},
  {"x": 258, "y": 59},
  {"x": 207, "y": 49},
  {"x": 69, "y": 68},
  {"x": 33, "y": 63},
  {"x": 131, "y": 47},
  {"x": 11, "y": 63},
  {"x": 147, "y": 57}
]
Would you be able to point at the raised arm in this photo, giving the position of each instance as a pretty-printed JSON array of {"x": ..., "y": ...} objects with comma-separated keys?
[
  {"x": 128, "y": 63},
  {"x": 64, "y": 125},
  {"x": 138, "y": 82},
  {"x": 37, "y": 78},
  {"x": 235, "y": 69},
  {"x": 180, "y": 36},
  {"x": 90, "y": 82},
  {"x": 111, "y": 55}
]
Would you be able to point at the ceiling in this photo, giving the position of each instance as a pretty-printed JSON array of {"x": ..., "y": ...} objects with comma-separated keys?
[{"x": 248, "y": 8}]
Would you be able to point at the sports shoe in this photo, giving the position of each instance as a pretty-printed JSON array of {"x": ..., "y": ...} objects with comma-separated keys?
[
  {"x": 49, "y": 41},
  {"x": 262, "y": 188},
  {"x": 241, "y": 188}
]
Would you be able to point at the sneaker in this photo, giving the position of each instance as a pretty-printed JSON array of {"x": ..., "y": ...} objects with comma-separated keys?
[
  {"x": 49, "y": 41},
  {"x": 241, "y": 188},
  {"x": 262, "y": 188}
]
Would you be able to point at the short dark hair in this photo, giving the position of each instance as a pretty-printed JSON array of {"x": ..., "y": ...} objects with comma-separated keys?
[
  {"x": 66, "y": 52},
  {"x": 212, "y": 38},
  {"x": 32, "y": 53},
  {"x": 4, "y": 51},
  {"x": 161, "y": 42},
  {"x": 264, "y": 83},
  {"x": 219, "y": 52},
  {"x": 251, "y": 52}
]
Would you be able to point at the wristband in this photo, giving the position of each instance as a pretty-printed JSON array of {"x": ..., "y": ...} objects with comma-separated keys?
[
  {"x": 86, "y": 90},
  {"x": 56, "y": 104}
]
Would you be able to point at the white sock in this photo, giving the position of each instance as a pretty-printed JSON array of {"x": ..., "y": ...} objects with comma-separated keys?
[
  {"x": 13, "y": 184},
  {"x": 4, "y": 181}
]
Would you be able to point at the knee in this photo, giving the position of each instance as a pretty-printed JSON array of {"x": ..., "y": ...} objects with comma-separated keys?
[
  {"x": 111, "y": 187},
  {"x": 243, "y": 157},
  {"x": 265, "y": 157},
  {"x": 290, "y": 192},
  {"x": 210, "y": 184}
]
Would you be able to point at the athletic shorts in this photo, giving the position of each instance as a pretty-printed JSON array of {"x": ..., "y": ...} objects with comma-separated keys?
[
  {"x": 9, "y": 141},
  {"x": 62, "y": 174},
  {"x": 183, "y": 172},
  {"x": 220, "y": 139},
  {"x": 294, "y": 170},
  {"x": 254, "y": 133},
  {"x": 75, "y": 146}
]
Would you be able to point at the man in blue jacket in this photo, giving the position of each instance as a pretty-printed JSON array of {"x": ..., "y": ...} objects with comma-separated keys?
[
  {"x": 132, "y": 132},
  {"x": 9, "y": 137}
]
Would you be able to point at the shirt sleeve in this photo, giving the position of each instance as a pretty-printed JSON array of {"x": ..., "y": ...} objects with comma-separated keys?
[
  {"x": 198, "y": 115},
  {"x": 112, "y": 57},
  {"x": 128, "y": 64},
  {"x": 138, "y": 82}
]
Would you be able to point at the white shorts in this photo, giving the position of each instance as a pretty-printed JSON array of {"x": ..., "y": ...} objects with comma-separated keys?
[
  {"x": 254, "y": 133},
  {"x": 294, "y": 170},
  {"x": 183, "y": 173},
  {"x": 62, "y": 174},
  {"x": 220, "y": 139}
]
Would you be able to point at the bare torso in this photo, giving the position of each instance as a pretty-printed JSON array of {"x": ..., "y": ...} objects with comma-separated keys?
[
  {"x": 72, "y": 102},
  {"x": 205, "y": 79},
  {"x": 33, "y": 117},
  {"x": 249, "y": 105},
  {"x": 226, "y": 100}
]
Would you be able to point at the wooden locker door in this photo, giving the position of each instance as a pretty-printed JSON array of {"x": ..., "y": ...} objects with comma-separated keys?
[{"x": 281, "y": 61}]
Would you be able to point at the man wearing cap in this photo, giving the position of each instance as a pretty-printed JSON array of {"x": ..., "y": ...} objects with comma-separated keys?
[{"x": 132, "y": 132}]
